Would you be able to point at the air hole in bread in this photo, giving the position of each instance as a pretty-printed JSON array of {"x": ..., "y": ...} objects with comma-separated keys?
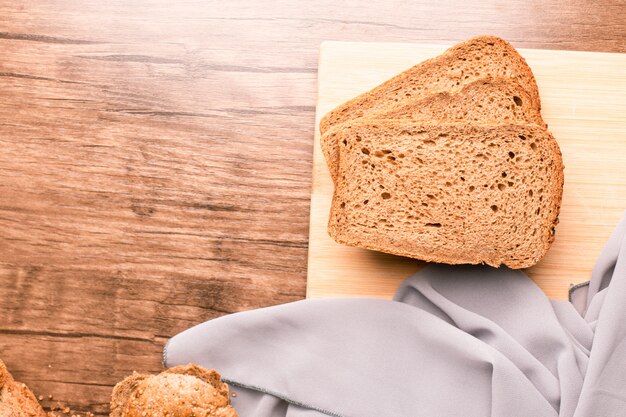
[
  {"x": 433, "y": 224},
  {"x": 538, "y": 211},
  {"x": 530, "y": 193},
  {"x": 462, "y": 178},
  {"x": 429, "y": 142},
  {"x": 391, "y": 158},
  {"x": 400, "y": 155},
  {"x": 501, "y": 187},
  {"x": 511, "y": 155},
  {"x": 472, "y": 188},
  {"x": 365, "y": 202},
  {"x": 385, "y": 196},
  {"x": 365, "y": 151},
  {"x": 378, "y": 154},
  {"x": 425, "y": 204},
  {"x": 533, "y": 146},
  {"x": 345, "y": 142},
  {"x": 517, "y": 100},
  {"x": 504, "y": 174},
  {"x": 510, "y": 183},
  {"x": 522, "y": 137},
  {"x": 448, "y": 184},
  {"x": 494, "y": 208},
  {"x": 342, "y": 205}
]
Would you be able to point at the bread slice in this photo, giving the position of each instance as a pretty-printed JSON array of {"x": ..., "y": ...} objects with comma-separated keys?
[
  {"x": 487, "y": 100},
  {"x": 460, "y": 65},
  {"x": 453, "y": 193}
]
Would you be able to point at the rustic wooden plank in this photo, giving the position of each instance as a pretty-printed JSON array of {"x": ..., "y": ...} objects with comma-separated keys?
[{"x": 155, "y": 161}]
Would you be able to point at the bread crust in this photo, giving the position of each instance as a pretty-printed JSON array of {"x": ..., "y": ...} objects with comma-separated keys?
[
  {"x": 510, "y": 221},
  {"x": 16, "y": 400},
  {"x": 445, "y": 110},
  {"x": 501, "y": 60},
  {"x": 182, "y": 391}
]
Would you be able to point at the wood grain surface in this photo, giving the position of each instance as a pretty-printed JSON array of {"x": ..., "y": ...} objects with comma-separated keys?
[
  {"x": 156, "y": 156},
  {"x": 583, "y": 101}
]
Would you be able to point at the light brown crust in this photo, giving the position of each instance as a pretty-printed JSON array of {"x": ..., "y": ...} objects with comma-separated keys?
[
  {"x": 16, "y": 400},
  {"x": 182, "y": 391},
  {"x": 4, "y": 374},
  {"x": 465, "y": 236},
  {"x": 423, "y": 79}
]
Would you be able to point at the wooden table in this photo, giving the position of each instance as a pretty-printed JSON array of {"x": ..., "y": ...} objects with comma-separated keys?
[{"x": 155, "y": 162}]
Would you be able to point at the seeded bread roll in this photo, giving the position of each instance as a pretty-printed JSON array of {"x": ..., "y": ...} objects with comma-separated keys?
[
  {"x": 487, "y": 100},
  {"x": 454, "y": 193},
  {"x": 460, "y": 65},
  {"x": 182, "y": 391},
  {"x": 16, "y": 400}
]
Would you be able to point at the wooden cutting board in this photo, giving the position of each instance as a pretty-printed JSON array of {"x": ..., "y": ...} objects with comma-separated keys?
[{"x": 583, "y": 98}]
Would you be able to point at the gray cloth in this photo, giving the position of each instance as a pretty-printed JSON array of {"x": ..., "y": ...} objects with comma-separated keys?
[{"x": 467, "y": 341}]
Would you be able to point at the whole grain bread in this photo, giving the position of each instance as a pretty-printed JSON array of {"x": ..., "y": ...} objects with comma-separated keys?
[
  {"x": 182, "y": 391},
  {"x": 487, "y": 100},
  {"x": 460, "y": 65},
  {"x": 16, "y": 400},
  {"x": 455, "y": 193}
]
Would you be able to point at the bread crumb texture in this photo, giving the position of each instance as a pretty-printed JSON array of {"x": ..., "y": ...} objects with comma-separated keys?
[
  {"x": 453, "y": 193},
  {"x": 16, "y": 400},
  {"x": 449, "y": 161},
  {"x": 182, "y": 391},
  {"x": 462, "y": 64}
]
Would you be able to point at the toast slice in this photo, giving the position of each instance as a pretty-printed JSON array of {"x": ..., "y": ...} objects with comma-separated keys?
[
  {"x": 462, "y": 64},
  {"x": 487, "y": 100},
  {"x": 452, "y": 193}
]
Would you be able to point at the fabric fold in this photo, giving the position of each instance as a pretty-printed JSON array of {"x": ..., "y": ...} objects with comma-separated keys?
[{"x": 455, "y": 341}]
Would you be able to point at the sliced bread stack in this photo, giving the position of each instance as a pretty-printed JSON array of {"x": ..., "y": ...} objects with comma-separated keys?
[{"x": 449, "y": 161}]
